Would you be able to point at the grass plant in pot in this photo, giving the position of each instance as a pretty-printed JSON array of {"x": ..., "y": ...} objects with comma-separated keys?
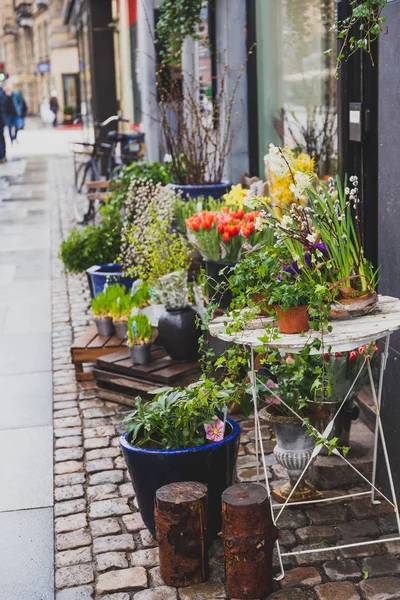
[
  {"x": 219, "y": 236},
  {"x": 139, "y": 339},
  {"x": 101, "y": 312},
  {"x": 178, "y": 436}
]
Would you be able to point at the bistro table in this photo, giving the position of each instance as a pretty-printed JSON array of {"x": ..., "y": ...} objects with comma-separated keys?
[{"x": 345, "y": 336}]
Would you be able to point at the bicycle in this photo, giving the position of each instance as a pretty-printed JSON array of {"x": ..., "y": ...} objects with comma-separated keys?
[{"x": 121, "y": 149}]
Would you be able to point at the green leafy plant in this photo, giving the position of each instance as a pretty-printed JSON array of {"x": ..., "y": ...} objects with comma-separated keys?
[
  {"x": 94, "y": 245},
  {"x": 101, "y": 306},
  {"x": 141, "y": 297},
  {"x": 139, "y": 330},
  {"x": 176, "y": 418},
  {"x": 101, "y": 244},
  {"x": 178, "y": 19},
  {"x": 121, "y": 307},
  {"x": 360, "y": 29}
]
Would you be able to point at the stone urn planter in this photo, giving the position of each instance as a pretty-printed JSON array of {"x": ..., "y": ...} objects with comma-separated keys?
[{"x": 293, "y": 451}]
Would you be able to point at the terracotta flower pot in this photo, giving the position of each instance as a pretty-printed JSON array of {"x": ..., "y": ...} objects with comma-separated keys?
[{"x": 293, "y": 320}]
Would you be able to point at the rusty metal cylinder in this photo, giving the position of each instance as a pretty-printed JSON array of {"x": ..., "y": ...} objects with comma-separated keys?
[
  {"x": 248, "y": 537},
  {"x": 181, "y": 521}
]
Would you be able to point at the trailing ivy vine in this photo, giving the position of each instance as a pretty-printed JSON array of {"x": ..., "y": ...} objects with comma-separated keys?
[
  {"x": 360, "y": 29},
  {"x": 178, "y": 19}
]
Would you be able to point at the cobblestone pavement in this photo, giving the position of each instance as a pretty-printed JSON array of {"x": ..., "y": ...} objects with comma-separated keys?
[{"x": 104, "y": 551}]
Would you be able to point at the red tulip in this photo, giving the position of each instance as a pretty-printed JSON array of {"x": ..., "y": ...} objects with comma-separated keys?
[
  {"x": 226, "y": 237},
  {"x": 353, "y": 355}
]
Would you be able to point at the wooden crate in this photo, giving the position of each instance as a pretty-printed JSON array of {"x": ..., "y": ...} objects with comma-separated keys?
[
  {"x": 119, "y": 380},
  {"x": 87, "y": 348}
]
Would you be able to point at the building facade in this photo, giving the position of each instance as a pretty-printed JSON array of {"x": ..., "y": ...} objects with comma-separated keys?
[{"x": 40, "y": 53}]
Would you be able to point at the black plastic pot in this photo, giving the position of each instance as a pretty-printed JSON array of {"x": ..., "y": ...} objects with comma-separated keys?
[
  {"x": 105, "y": 327},
  {"x": 179, "y": 334},
  {"x": 217, "y": 273},
  {"x": 121, "y": 329},
  {"x": 213, "y": 464}
]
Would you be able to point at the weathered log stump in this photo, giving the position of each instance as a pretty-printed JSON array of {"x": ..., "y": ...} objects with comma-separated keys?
[
  {"x": 248, "y": 535},
  {"x": 181, "y": 520}
]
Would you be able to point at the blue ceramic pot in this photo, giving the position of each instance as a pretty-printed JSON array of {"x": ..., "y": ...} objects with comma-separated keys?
[
  {"x": 98, "y": 276},
  {"x": 215, "y": 190},
  {"x": 213, "y": 464}
]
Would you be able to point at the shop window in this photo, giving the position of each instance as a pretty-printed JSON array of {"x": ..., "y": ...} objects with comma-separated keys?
[{"x": 296, "y": 80}]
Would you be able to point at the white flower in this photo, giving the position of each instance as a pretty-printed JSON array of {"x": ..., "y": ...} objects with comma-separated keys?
[
  {"x": 167, "y": 158},
  {"x": 277, "y": 160},
  {"x": 312, "y": 238},
  {"x": 250, "y": 200},
  {"x": 286, "y": 221},
  {"x": 259, "y": 223},
  {"x": 347, "y": 191}
]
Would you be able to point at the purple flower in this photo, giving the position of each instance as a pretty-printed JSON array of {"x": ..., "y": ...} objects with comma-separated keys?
[
  {"x": 294, "y": 270},
  {"x": 322, "y": 248},
  {"x": 307, "y": 259}
]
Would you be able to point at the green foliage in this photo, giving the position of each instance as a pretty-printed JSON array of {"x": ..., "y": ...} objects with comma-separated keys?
[
  {"x": 187, "y": 208},
  {"x": 101, "y": 244},
  {"x": 251, "y": 277},
  {"x": 160, "y": 252},
  {"x": 139, "y": 330},
  {"x": 101, "y": 306},
  {"x": 93, "y": 245},
  {"x": 107, "y": 300},
  {"x": 121, "y": 307},
  {"x": 175, "y": 419},
  {"x": 178, "y": 19},
  {"x": 361, "y": 29},
  {"x": 141, "y": 297}
]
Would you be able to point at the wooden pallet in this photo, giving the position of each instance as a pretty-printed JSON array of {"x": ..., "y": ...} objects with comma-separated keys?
[
  {"x": 87, "y": 348},
  {"x": 121, "y": 381}
]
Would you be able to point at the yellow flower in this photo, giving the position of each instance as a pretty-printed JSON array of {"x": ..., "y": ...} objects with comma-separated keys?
[{"x": 234, "y": 198}]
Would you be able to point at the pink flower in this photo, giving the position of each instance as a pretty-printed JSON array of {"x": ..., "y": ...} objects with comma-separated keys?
[
  {"x": 215, "y": 431},
  {"x": 274, "y": 400},
  {"x": 289, "y": 360},
  {"x": 271, "y": 384}
]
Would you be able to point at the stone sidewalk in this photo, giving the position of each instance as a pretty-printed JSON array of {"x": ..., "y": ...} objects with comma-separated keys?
[
  {"x": 26, "y": 436},
  {"x": 103, "y": 551}
]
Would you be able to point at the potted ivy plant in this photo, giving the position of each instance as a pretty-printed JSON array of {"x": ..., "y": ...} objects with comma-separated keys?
[
  {"x": 181, "y": 433},
  {"x": 139, "y": 339}
]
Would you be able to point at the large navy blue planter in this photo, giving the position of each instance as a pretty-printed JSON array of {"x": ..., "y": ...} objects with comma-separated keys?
[
  {"x": 215, "y": 190},
  {"x": 213, "y": 464},
  {"x": 98, "y": 276}
]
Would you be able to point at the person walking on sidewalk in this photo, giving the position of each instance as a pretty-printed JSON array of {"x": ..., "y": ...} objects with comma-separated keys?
[
  {"x": 3, "y": 100},
  {"x": 54, "y": 106},
  {"x": 15, "y": 111}
]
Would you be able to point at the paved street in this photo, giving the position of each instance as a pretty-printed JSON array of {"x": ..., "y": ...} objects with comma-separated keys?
[{"x": 26, "y": 432}]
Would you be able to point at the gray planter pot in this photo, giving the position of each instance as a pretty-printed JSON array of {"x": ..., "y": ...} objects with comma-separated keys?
[
  {"x": 141, "y": 354},
  {"x": 293, "y": 451},
  {"x": 105, "y": 327},
  {"x": 121, "y": 329}
]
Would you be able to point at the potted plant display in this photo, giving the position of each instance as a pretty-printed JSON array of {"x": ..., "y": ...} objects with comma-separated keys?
[
  {"x": 162, "y": 259},
  {"x": 139, "y": 339},
  {"x": 181, "y": 433},
  {"x": 318, "y": 230},
  {"x": 101, "y": 313},
  {"x": 120, "y": 311},
  {"x": 219, "y": 236}
]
